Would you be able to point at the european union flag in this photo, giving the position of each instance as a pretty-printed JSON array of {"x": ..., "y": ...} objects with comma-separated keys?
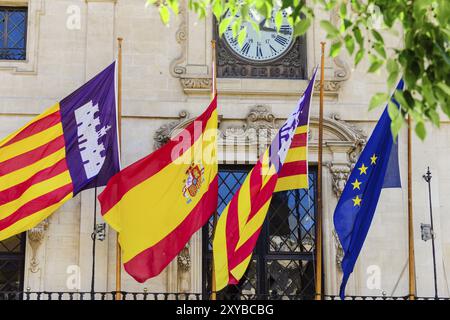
[{"x": 377, "y": 168}]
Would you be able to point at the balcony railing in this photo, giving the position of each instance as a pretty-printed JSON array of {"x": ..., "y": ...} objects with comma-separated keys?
[{"x": 113, "y": 295}]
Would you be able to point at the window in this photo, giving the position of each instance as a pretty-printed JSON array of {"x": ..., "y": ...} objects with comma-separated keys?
[
  {"x": 13, "y": 33},
  {"x": 12, "y": 261},
  {"x": 283, "y": 261}
]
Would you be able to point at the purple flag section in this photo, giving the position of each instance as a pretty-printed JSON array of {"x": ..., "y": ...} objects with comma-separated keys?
[{"x": 89, "y": 120}]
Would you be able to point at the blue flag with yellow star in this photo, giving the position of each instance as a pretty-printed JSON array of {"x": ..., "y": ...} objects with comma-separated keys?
[{"x": 377, "y": 168}]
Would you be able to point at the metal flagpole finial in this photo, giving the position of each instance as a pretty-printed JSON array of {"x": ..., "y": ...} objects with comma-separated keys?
[{"x": 427, "y": 176}]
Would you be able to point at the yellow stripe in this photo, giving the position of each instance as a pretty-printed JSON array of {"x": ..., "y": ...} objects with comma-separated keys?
[
  {"x": 244, "y": 205},
  {"x": 301, "y": 129},
  {"x": 31, "y": 143},
  {"x": 31, "y": 221},
  {"x": 34, "y": 192},
  {"x": 150, "y": 211},
  {"x": 239, "y": 271},
  {"x": 39, "y": 117},
  {"x": 296, "y": 154},
  {"x": 254, "y": 224},
  {"x": 26, "y": 173},
  {"x": 220, "y": 252},
  {"x": 292, "y": 182}
]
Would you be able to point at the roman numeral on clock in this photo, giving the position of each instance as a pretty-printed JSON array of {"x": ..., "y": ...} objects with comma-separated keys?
[
  {"x": 274, "y": 51},
  {"x": 286, "y": 29},
  {"x": 258, "y": 50},
  {"x": 245, "y": 48},
  {"x": 281, "y": 40}
]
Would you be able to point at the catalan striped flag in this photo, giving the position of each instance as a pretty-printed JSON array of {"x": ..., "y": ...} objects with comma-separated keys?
[
  {"x": 158, "y": 202},
  {"x": 282, "y": 166},
  {"x": 70, "y": 147}
]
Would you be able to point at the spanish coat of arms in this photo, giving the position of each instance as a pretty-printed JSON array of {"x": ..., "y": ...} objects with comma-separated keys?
[{"x": 194, "y": 181}]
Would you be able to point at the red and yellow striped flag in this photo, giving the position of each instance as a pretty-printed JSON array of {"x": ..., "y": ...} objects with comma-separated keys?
[
  {"x": 68, "y": 148},
  {"x": 158, "y": 202},
  {"x": 283, "y": 166}
]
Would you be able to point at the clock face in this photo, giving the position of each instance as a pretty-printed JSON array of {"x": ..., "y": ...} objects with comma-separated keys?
[{"x": 262, "y": 46}]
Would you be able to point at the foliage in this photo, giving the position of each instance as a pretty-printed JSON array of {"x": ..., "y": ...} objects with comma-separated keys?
[{"x": 421, "y": 28}]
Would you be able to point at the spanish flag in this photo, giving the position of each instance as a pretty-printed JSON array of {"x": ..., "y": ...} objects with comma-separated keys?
[
  {"x": 283, "y": 166},
  {"x": 158, "y": 202},
  {"x": 70, "y": 147}
]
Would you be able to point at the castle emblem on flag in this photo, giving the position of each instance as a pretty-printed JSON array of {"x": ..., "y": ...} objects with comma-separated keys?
[
  {"x": 194, "y": 181},
  {"x": 89, "y": 133}
]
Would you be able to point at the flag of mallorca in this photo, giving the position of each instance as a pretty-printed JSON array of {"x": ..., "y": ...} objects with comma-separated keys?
[
  {"x": 158, "y": 202},
  {"x": 70, "y": 147}
]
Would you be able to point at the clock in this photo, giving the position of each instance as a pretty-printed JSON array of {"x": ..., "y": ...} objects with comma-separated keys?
[
  {"x": 263, "y": 46},
  {"x": 269, "y": 53}
]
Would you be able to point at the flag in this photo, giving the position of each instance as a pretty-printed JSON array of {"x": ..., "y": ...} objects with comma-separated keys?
[
  {"x": 158, "y": 202},
  {"x": 377, "y": 168},
  {"x": 70, "y": 147},
  {"x": 240, "y": 223}
]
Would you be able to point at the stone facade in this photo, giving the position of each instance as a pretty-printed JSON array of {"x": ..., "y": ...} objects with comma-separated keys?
[{"x": 166, "y": 81}]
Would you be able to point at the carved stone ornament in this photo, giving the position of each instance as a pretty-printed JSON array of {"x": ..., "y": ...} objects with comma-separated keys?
[
  {"x": 339, "y": 250},
  {"x": 162, "y": 135},
  {"x": 35, "y": 237},
  {"x": 184, "y": 259},
  {"x": 339, "y": 175},
  {"x": 260, "y": 117}
]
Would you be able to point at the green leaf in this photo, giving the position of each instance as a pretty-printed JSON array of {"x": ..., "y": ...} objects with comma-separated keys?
[
  {"x": 358, "y": 36},
  {"x": 343, "y": 10},
  {"x": 242, "y": 35},
  {"x": 444, "y": 87},
  {"x": 164, "y": 14},
  {"x": 375, "y": 66},
  {"x": 377, "y": 36},
  {"x": 349, "y": 43},
  {"x": 400, "y": 98},
  {"x": 396, "y": 125},
  {"x": 420, "y": 130},
  {"x": 359, "y": 55},
  {"x": 278, "y": 19},
  {"x": 434, "y": 117},
  {"x": 217, "y": 9},
  {"x": 331, "y": 30},
  {"x": 301, "y": 27},
  {"x": 224, "y": 25},
  {"x": 335, "y": 49},
  {"x": 174, "y": 5},
  {"x": 377, "y": 100},
  {"x": 393, "y": 110}
]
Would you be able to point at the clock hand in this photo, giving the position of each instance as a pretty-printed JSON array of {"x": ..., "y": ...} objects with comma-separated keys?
[{"x": 273, "y": 30}]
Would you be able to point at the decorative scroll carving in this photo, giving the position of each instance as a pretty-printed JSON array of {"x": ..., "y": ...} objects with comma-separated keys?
[
  {"x": 184, "y": 259},
  {"x": 177, "y": 67},
  {"x": 260, "y": 117},
  {"x": 196, "y": 83},
  {"x": 162, "y": 135},
  {"x": 35, "y": 237}
]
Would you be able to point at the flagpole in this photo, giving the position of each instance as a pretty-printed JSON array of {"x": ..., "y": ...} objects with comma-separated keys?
[
  {"x": 213, "y": 94},
  {"x": 318, "y": 266},
  {"x": 412, "y": 268},
  {"x": 119, "y": 123}
]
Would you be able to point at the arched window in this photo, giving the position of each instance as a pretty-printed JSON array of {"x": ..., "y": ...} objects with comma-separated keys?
[{"x": 283, "y": 261}]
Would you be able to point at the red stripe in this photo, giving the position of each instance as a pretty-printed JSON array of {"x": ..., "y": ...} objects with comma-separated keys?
[
  {"x": 255, "y": 182},
  {"x": 36, "y": 127},
  {"x": 30, "y": 157},
  {"x": 299, "y": 140},
  {"x": 232, "y": 225},
  {"x": 36, "y": 205},
  {"x": 244, "y": 251},
  {"x": 293, "y": 168},
  {"x": 150, "y": 262},
  {"x": 16, "y": 191},
  {"x": 264, "y": 195},
  {"x": 143, "y": 169}
]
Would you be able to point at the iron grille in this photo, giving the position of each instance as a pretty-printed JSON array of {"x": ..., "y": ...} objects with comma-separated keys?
[
  {"x": 12, "y": 259},
  {"x": 283, "y": 260},
  {"x": 13, "y": 33}
]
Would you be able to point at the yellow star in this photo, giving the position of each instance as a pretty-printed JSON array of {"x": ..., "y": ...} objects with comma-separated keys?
[
  {"x": 363, "y": 169},
  {"x": 373, "y": 159},
  {"x": 357, "y": 201},
  {"x": 356, "y": 184}
]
